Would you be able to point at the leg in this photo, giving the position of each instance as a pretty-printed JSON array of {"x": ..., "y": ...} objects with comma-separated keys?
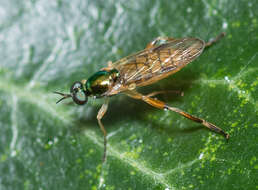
[
  {"x": 157, "y": 40},
  {"x": 109, "y": 64},
  {"x": 109, "y": 67},
  {"x": 101, "y": 113},
  {"x": 161, "y": 105},
  {"x": 221, "y": 35},
  {"x": 165, "y": 92}
]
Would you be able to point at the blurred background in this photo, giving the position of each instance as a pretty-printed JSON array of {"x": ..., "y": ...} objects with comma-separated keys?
[{"x": 47, "y": 45}]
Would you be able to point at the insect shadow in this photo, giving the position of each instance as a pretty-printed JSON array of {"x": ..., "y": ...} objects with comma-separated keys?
[{"x": 126, "y": 108}]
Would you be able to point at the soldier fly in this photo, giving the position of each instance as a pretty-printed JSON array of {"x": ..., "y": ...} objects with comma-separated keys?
[{"x": 162, "y": 57}]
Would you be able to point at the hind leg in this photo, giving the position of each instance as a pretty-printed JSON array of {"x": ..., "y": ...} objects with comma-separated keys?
[{"x": 162, "y": 105}]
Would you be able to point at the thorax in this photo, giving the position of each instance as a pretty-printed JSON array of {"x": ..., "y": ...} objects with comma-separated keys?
[{"x": 101, "y": 82}]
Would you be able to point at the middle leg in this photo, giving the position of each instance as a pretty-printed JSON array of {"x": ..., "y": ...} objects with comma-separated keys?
[
  {"x": 101, "y": 113},
  {"x": 154, "y": 42}
]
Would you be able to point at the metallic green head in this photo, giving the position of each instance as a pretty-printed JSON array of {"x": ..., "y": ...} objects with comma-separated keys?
[
  {"x": 77, "y": 93},
  {"x": 96, "y": 86}
]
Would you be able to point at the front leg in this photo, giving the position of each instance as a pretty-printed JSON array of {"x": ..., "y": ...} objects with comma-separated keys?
[{"x": 101, "y": 113}]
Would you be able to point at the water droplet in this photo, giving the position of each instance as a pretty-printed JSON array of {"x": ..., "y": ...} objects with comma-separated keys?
[
  {"x": 224, "y": 25},
  {"x": 201, "y": 156},
  {"x": 13, "y": 153},
  {"x": 55, "y": 139},
  {"x": 226, "y": 78}
]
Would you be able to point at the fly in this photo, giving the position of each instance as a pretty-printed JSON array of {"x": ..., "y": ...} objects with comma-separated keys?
[{"x": 162, "y": 57}]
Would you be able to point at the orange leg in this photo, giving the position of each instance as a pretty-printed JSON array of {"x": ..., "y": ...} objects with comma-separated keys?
[
  {"x": 221, "y": 35},
  {"x": 169, "y": 39},
  {"x": 109, "y": 67},
  {"x": 165, "y": 92},
  {"x": 158, "y": 40},
  {"x": 161, "y": 105},
  {"x": 101, "y": 113}
]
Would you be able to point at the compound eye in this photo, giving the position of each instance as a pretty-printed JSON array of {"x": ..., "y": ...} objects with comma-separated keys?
[
  {"x": 76, "y": 87},
  {"x": 78, "y": 95}
]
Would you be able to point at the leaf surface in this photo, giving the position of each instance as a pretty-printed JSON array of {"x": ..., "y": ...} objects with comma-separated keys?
[{"x": 47, "y": 45}]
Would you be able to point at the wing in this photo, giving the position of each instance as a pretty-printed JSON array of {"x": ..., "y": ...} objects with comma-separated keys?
[{"x": 151, "y": 65}]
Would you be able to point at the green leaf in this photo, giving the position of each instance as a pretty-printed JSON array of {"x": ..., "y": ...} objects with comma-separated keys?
[{"x": 47, "y": 45}]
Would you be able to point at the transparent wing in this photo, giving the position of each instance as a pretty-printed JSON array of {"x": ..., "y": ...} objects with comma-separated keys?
[{"x": 150, "y": 65}]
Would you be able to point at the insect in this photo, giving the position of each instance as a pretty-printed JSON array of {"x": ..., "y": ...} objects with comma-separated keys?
[{"x": 162, "y": 57}]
